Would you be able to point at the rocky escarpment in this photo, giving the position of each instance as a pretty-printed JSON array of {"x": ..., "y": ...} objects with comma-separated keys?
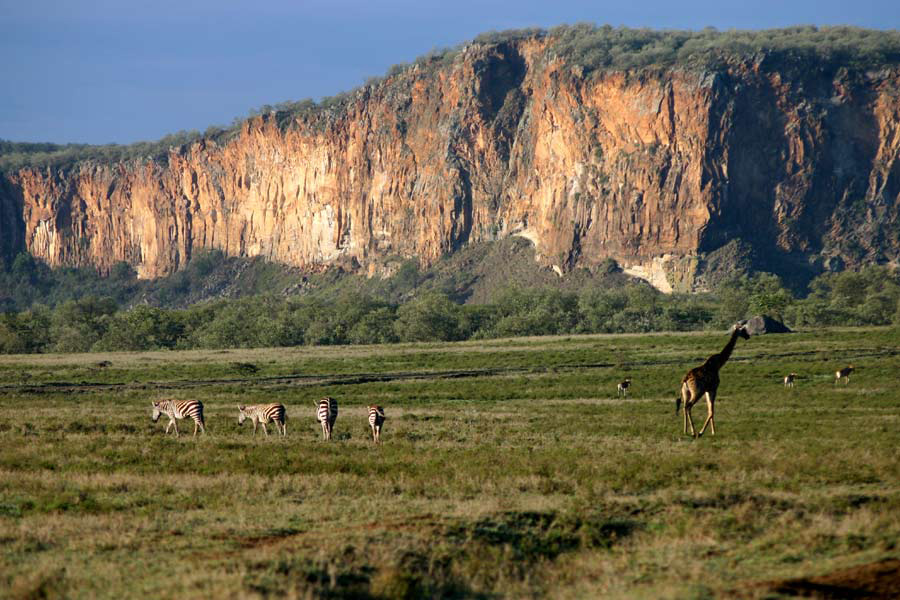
[{"x": 658, "y": 168}]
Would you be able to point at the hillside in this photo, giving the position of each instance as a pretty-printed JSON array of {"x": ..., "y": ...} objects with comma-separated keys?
[{"x": 678, "y": 155}]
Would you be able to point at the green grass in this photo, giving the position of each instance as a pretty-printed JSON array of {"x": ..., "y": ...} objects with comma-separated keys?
[{"x": 508, "y": 469}]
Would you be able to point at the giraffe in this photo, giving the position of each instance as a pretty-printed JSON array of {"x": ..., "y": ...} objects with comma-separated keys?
[{"x": 704, "y": 381}]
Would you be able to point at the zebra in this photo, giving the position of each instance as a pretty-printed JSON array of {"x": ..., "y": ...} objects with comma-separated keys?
[
  {"x": 376, "y": 420},
  {"x": 262, "y": 414},
  {"x": 326, "y": 414},
  {"x": 622, "y": 388},
  {"x": 180, "y": 409}
]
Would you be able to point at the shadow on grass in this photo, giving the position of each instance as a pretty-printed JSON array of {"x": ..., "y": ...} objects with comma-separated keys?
[{"x": 449, "y": 559}]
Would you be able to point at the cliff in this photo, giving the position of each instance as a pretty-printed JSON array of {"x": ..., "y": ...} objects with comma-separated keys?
[{"x": 658, "y": 168}]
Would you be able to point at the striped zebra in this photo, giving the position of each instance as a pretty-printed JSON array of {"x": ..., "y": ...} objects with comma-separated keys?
[
  {"x": 180, "y": 409},
  {"x": 376, "y": 420},
  {"x": 326, "y": 414},
  {"x": 262, "y": 414}
]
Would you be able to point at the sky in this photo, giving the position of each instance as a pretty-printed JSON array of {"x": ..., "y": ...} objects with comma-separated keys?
[{"x": 122, "y": 71}]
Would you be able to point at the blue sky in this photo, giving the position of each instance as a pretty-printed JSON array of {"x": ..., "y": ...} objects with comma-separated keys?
[{"x": 100, "y": 71}]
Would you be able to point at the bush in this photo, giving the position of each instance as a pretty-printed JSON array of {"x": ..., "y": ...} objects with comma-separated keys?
[{"x": 434, "y": 317}]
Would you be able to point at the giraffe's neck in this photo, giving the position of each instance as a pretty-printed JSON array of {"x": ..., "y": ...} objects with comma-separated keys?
[{"x": 717, "y": 360}]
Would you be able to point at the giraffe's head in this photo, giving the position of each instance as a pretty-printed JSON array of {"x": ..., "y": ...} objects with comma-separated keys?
[
  {"x": 157, "y": 411},
  {"x": 242, "y": 416},
  {"x": 741, "y": 331}
]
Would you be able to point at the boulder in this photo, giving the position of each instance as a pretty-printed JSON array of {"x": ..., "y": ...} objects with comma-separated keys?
[{"x": 762, "y": 324}]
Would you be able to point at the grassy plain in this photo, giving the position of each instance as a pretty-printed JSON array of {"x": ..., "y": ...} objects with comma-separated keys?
[{"x": 508, "y": 469}]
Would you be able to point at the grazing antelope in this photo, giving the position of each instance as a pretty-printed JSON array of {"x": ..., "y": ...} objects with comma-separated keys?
[
  {"x": 789, "y": 380},
  {"x": 842, "y": 373},
  {"x": 376, "y": 420},
  {"x": 622, "y": 388},
  {"x": 326, "y": 414},
  {"x": 180, "y": 409},
  {"x": 262, "y": 414},
  {"x": 704, "y": 381}
]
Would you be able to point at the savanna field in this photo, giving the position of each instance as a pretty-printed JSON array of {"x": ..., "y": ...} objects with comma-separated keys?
[{"x": 508, "y": 469}]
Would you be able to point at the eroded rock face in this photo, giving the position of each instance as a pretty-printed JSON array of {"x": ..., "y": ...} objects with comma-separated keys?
[{"x": 652, "y": 168}]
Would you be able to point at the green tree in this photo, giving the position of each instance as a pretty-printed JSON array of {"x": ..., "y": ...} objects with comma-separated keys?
[
  {"x": 142, "y": 328},
  {"x": 433, "y": 317}
]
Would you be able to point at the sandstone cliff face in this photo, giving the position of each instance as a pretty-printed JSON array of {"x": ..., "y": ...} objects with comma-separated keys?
[{"x": 655, "y": 169}]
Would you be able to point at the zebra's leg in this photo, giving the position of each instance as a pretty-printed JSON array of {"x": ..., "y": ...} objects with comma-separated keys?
[
  {"x": 265, "y": 431},
  {"x": 175, "y": 423},
  {"x": 254, "y": 427},
  {"x": 196, "y": 427},
  {"x": 169, "y": 426}
]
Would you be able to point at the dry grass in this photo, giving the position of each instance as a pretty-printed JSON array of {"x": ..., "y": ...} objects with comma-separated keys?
[{"x": 530, "y": 480}]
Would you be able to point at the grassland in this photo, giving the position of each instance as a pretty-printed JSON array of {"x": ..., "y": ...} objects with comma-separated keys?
[{"x": 508, "y": 469}]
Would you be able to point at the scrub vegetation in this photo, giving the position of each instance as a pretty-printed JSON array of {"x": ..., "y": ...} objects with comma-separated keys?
[
  {"x": 508, "y": 468},
  {"x": 219, "y": 302}
]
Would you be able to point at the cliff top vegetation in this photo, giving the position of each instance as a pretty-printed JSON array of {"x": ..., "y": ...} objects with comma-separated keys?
[{"x": 586, "y": 46}]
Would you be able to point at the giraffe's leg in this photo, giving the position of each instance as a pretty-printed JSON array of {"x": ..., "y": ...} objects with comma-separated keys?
[
  {"x": 687, "y": 399},
  {"x": 688, "y": 406},
  {"x": 710, "y": 404}
]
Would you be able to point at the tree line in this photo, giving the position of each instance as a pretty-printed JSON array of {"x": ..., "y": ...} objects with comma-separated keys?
[{"x": 92, "y": 323}]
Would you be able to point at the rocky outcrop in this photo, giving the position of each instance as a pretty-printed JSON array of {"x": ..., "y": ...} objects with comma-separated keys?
[{"x": 656, "y": 168}]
